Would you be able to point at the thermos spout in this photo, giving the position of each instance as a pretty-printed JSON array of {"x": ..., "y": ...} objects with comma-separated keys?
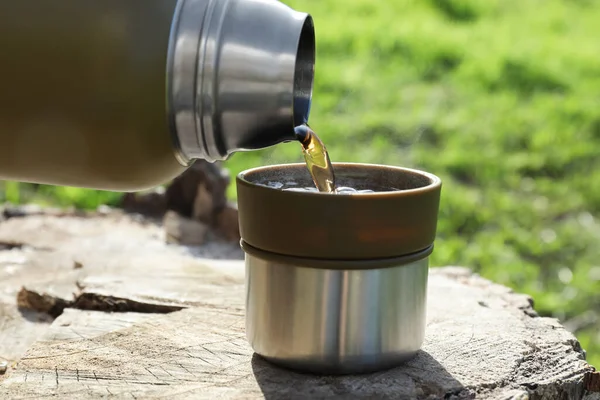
[{"x": 240, "y": 75}]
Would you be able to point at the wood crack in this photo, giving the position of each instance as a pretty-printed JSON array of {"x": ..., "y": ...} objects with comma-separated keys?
[
  {"x": 44, "y": 303},
  {"x": 54, "y": 306},
  {"x": 98, "y": 302},
  {"x": 591, "y": 381}
]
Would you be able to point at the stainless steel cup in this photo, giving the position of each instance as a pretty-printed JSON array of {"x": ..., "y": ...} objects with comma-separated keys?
[{"x": 324, "y": 291}]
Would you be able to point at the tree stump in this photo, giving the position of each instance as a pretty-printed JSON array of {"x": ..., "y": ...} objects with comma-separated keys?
[
  {"x": 140, "y": 318},
  {"x": 193, "y": 207}
]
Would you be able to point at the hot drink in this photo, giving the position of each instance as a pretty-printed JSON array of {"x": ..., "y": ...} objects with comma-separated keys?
[{"x": 317, "y": 159}]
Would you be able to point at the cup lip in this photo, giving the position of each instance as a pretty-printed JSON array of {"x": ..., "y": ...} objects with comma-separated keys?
[
  {"x": 358, "y": 226},
  {"x": 336, "y": 264},
  {"x": 435, "y": 181}
]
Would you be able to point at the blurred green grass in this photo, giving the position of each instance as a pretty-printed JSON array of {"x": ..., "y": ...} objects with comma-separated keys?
[{"x": 500, "y": 98}]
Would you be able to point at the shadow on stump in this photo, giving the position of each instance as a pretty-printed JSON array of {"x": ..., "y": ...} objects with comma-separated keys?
[{"x": 422, "y": 377}]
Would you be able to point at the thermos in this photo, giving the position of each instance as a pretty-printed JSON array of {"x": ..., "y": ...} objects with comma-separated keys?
[{"x": 125, "y": 94}]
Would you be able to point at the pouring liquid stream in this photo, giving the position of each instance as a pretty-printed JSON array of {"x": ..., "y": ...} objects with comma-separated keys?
[{"x": 317, "y": 159}]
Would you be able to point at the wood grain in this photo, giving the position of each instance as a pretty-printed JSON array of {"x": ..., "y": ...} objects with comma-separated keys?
[{"x": 51, "y": 256}]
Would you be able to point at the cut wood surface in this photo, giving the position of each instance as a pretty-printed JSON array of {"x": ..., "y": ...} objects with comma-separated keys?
[
  {"x": 172, "y": 325},
  {"x": 46, "y": 258}
]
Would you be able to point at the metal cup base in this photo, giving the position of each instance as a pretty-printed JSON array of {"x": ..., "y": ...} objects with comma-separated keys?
[{"x": 335, "y": 322}]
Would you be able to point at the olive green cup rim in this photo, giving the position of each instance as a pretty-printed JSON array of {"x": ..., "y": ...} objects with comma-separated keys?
[
  {"x": 434, "y": 180},
  {"x": 358, "y": 226}
]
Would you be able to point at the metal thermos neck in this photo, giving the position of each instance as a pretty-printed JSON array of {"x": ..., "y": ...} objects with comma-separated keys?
[{"x": 240, "y": 75}]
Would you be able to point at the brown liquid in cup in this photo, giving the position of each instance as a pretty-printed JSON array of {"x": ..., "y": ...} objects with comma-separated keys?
[{"x": 317, "y": 159}]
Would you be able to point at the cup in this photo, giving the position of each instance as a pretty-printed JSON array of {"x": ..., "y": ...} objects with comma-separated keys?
[{"x": 337, "y": 283}]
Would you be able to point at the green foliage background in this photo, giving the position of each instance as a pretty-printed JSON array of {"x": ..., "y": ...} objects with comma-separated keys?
[{"x": 500, "y": 98}]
